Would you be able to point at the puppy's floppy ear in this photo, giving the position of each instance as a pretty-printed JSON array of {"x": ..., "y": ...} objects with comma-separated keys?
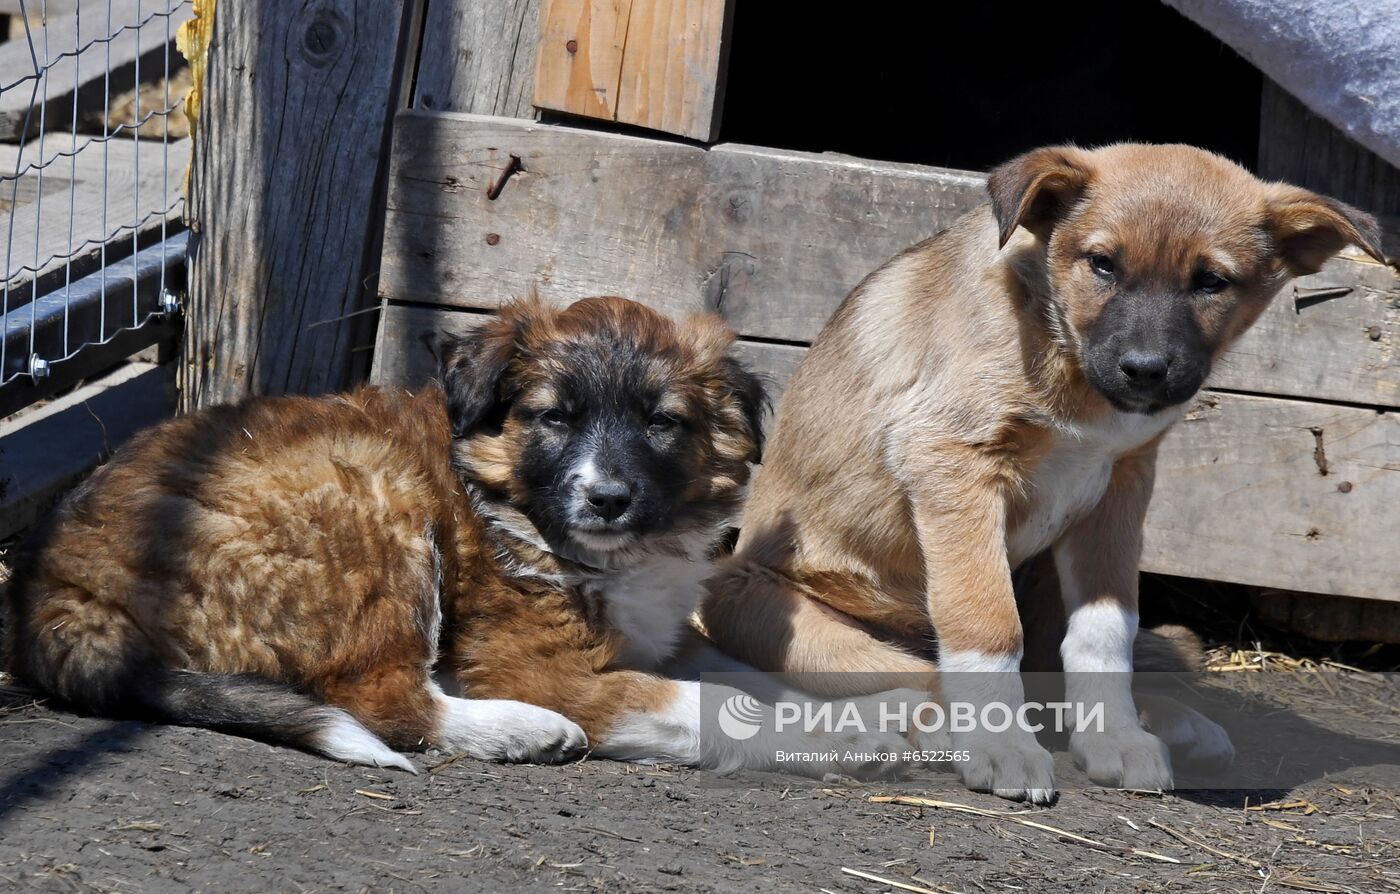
[
  {"x": 1308, "y": 228},
  {"x": 1033, "y": 190},
  {"x": 472, "y": 365},
  {"x": 751, "y": 391},
  {"x": 712, "y": 343}
]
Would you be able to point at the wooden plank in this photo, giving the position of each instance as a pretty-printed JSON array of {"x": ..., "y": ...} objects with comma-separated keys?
[
  {"x": 773, "y": 239},
  {"x": 673, "y": 72},
  {"x": 402, "y": 357},
  {"x": 45, "y": 451},
  {"x": 1344, "y": 348},
  {"x": 102, "y": 192},
  {"x": 83, "y": 55},
  {"x": 297, "y": 106},
  {"x": 479, "y": 56},
  {"x": 653, "y": 63},
  {"x": 1240, "y": 494},
  {"x": 580, "y": 56}
]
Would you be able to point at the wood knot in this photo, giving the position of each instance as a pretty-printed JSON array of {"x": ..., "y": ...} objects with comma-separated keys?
[{"x": 324, "y": 38}]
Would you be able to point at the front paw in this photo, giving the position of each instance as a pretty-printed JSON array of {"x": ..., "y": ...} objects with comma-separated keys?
[
  {"x": 1009, "y": 764},
  {"x": 1125, "y": 757},
  {"x": 499, "y": 730}
]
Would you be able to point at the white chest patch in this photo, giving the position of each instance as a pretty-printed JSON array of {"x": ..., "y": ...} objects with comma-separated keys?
[
  {"x": 651, "y": 603},
  {"x": 1073, "y": 476}
]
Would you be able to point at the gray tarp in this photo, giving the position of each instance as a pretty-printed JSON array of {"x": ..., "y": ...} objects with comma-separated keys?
[{"x": 1340, "y": 57}]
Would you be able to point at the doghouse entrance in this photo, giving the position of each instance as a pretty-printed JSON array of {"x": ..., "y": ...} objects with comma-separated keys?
[{"x": 944, "y": 84}]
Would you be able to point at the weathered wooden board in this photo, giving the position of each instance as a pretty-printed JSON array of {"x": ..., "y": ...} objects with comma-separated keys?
[
  {"x": 658, "y": 64},
  {"x": 772, "y": 239},
  {"x": 1344, "y": 348},
  {"x": 298, "y": 100},
  {"x": 479, "y": 56},
  {"x": 87, "y": 50},
  {"x": 42, "y": 453},
  {"x": 1240, "y": 490},
  {"x": 143, "y": 189},
  {"x": 402, "y": 356},
  {"x": 1241, "y": 496}
]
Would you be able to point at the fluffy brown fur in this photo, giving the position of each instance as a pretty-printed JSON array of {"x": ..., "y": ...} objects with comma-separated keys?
[{"x": 296, "y": 569}]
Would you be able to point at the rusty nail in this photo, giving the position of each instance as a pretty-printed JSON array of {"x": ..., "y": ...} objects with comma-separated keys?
[
  {"x": 1305, "y": 298},
  {"x": 1374, "y": 332},
  {"x": 1344, "y": 487},
  {"x": 572, "y": 47},
  {"x": 492, "y": 238}
]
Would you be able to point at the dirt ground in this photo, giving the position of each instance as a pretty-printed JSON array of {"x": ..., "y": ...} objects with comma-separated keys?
[{"x": 96, "y": 805}]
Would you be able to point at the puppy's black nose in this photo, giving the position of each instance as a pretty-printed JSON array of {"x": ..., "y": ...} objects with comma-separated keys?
[
  {"x": 1144, "y": 369},
  {"x": 608, "y": 499}
]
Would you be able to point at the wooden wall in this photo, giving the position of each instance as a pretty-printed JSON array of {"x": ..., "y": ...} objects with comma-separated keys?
[
  {"x": 1285, "y": 473},
  {"x": 286, "y": 194}
]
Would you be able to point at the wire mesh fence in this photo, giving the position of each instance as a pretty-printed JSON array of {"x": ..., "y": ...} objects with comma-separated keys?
[{"x": 93, "y": 150}]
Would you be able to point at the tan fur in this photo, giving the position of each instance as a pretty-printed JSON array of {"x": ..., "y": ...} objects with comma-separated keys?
[{"x": 901, "y": 474}]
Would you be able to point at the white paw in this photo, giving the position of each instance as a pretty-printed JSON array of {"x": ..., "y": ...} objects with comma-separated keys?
[
  {"x": 1123, "y": 757},
  {"x": 1195, "y": 740},
  {"x": 498, "y": 730},
  {"x": 1009, "y": 764}
]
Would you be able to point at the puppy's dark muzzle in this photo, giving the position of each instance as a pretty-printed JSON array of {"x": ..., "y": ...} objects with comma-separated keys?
[
  {"x": 608, "y": 500},
  {"x": 1146, "y": 352}
]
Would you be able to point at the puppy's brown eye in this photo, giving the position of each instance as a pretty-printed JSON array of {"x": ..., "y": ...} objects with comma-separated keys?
[
  {"x": 1211, "y": 283},
  {"x": 554, "y": 418},
  {"x": 662, "y": 422},
  {"x": 1102, "y": 265}
]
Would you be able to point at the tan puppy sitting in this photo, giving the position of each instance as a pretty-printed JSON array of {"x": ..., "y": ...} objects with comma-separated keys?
[{"x": 995, "y": 392}]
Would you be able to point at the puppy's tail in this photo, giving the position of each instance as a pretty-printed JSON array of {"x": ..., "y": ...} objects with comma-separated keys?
[
  {"x": 258, "y": 708},
  {"x": 1170, "y": 648},
  {"x": 92, "y": 657}
]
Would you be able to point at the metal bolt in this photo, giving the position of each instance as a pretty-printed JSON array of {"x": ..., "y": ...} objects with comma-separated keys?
[
  {"x": 169, "y": 302},
  {"x": 1374, "y": 332},
  {"x": 38, "y": 367},
  {"x": 1344, "y": 487},
  {"x": 493, "y": 238},
  {"x": 572, "y": 47}
]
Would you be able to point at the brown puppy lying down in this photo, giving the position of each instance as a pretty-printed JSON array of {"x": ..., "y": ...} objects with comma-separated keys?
[
  {"x": 335, "y": 573},
  {"x": 996, "y": 392}
]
